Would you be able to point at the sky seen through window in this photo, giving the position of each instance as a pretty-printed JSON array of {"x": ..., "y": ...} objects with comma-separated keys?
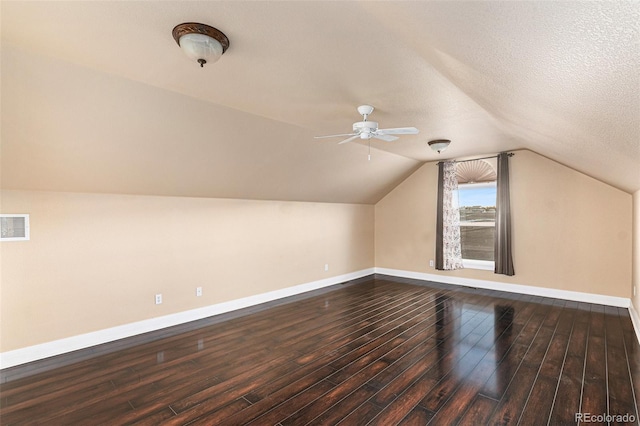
[{"x": 470, "y": 196}]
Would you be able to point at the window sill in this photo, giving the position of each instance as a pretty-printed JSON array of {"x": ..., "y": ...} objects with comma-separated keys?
[{"x": 485, "y": 265}]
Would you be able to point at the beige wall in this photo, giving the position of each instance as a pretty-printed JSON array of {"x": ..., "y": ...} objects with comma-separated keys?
[
  {"x": 96, "y": 261},
  {"x": 571, "y": 232},
  {"x": 636, "y": 250}
]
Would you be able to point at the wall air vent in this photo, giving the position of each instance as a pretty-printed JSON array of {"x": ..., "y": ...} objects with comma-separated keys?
[{"x": 14, "y": 227}]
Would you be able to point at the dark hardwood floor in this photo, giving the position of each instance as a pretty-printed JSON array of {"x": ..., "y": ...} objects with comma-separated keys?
[{"x": 381, "y": 352}]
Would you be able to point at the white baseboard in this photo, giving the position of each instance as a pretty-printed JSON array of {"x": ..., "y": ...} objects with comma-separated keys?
[
  {"x": 83, "y": 341},
  {"x": 70, "y": 344},
  {"x": 576, "y": 296},
  {"x": 635, "y": 319}
]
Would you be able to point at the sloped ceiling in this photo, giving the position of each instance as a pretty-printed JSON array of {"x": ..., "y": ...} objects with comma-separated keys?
[{"x": 97, "y": 96}]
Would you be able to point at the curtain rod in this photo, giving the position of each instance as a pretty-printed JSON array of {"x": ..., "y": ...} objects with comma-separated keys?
[{"x": 510, "y": 154}]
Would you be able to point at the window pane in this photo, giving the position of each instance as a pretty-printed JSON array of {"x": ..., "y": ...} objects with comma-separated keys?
[
  {"x": 477, "y": 242},
  {"x": 477, "y": 214},
  {"x": 477, "y": 202}
]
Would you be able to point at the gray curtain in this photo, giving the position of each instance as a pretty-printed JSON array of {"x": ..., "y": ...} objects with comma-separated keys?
[
  {"x": 502, "y": 249},
  {"x": 440, "y": 218}
]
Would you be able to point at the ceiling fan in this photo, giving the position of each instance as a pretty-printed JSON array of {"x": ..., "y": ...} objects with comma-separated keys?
[{"x": 369, "y": 129}]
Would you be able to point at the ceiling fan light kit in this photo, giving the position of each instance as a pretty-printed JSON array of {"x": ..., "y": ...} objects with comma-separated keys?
[
  {"x": 200, "y": 42},
  {"x": 366, "y": 130},
  {"x": 439, "y": 145}
]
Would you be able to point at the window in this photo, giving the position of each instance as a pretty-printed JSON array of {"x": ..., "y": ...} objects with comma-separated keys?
[
  {"x": 14, "y": 227},
  {"x": 477, "y": 202}
]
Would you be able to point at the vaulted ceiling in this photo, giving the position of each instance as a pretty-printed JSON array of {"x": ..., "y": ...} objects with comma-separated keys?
[{"x": 97, "y": 96}]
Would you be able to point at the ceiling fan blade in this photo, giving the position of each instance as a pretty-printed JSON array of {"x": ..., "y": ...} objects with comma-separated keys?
[
  {"x": 349, "y": 139},
  {"x": 334, "y": 136},
  {"x": 387, "y": 138},
  {"x": 399, "y": 131}
]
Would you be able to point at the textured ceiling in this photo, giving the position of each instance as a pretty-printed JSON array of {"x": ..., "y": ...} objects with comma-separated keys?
[{"x": 97, "y": 97}]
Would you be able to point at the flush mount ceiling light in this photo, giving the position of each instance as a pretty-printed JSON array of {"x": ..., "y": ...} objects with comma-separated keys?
[
  {"x": 200, "y": 42},
  {"x": 439, "y": 145}
]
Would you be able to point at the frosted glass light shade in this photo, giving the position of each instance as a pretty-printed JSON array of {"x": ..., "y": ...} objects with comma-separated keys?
[
  {"x": 439, "y": 145},
  {"x": 200, "y": 42},
  {"x": 201, "y": 47}
]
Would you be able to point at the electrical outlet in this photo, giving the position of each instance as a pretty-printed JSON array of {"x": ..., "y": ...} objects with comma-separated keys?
[
  {"x": 326, "y": 266},
  {"x": 158, "y": 299},
  {"x": 634, "y": 290},
  {"x": 431, "y": 263},
  {"x": 198, "y": 291}
]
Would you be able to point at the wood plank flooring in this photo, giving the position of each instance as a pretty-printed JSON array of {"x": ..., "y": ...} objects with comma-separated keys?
[{"x": 381, "y": 352}]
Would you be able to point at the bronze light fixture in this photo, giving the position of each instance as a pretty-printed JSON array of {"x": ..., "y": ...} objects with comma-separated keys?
[
  {"x": 200, "y": 42},
  {"x": 439, "y": 145}
]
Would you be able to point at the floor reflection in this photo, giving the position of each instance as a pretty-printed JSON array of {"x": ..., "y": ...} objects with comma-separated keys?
[
  {"x": 470, "y": 334},
  {"x": 503, "y": 340},
  {"x": 447, "y": 314}
]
